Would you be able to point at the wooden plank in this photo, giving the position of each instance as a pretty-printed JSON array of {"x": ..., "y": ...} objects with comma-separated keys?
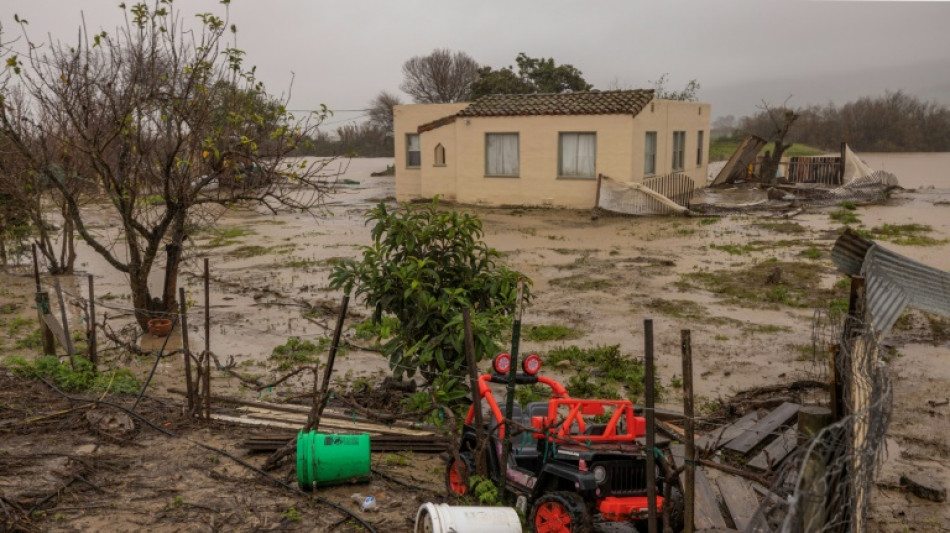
[
  {"x": 707, "y": 514},
  {"x": 57, "y": 330},
  {"x": 776, "y": 450},
  {"x": 763, "y": 428},
  {"x": 707, "y": 506},
  {"x": 739, "y": 499},
  {"x": 722, "y": 436},
  {"x": 256, "y": 412}
]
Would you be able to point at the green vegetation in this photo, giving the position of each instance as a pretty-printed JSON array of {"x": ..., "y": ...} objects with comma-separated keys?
[
  {"x": 610, "y": 370},
  {"x": 811, "y": 253},
  {"x": 686, "y": 309},
  {"x": 782, "y": 227},
  {"x": 906, "y": 234},
  {"x": 525, "y": 394},
  {"x": 755, "y": 246},
  {"x": 81, "y": 377},
  {"x": 32, "y": 341},
  {"x": 244, "y": 252},
  {"x": 424, "y": 266},
  {"x": 376, "y": 329},
  {"x": 582, "y": 282},
  {"x": 848, "y": 204},
  {"x": 721, "y": 149},
  {"x": 768, "y": 282},
  {"x": 291, "y": 514},
  {"x": 295, "y": 352},
  {"x": 485, "y": 491},
  {"x": 545, "y": 333},
  {"x": 18, "y": 323},
  {"x": 226, "y": 236},
  {"x": 845, "y": 216}
]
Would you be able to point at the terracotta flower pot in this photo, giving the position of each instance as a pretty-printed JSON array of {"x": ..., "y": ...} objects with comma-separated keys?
[{"x": 159, "y": 327}]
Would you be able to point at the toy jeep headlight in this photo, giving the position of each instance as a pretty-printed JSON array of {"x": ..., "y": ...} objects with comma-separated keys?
[{"x": 600, "y": 474}]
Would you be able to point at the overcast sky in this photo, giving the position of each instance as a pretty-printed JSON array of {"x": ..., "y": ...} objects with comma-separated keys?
[{"x": 342, "y": 53}]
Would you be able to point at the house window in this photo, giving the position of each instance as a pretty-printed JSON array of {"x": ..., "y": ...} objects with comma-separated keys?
[
  {"x": 413, "y": 151},
  {"x": 577, "y": 155},
  {"x": 679, "y": 149},
  {"x": 699, "y": 148},
  {"x": 649, "y": 156},
  {"x": 439, "y": 156},
  {"x": 501, "y": 154}
]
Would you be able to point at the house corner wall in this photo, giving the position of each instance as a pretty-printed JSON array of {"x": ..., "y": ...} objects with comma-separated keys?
[{"x": 425, "y": 180}]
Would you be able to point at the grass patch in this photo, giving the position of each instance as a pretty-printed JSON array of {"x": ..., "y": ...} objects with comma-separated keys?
[
  {"x": 787, "y": 227},
  {"x": 227, "y": 235},
  {"x": 581, "y": 282},
  {"x": 768, "y": 283},
  {"x": 244, "y": 252},
  {"x": 614, "y": 373},
  {"x": 708, "y": 221},
  {"x": 32, "y": 341},
  {"x": 296, "y": 352},
  {"x": 906, "y": 234},
  {"x": 81, "y": 377},
  {"x": 811, "y": 253},
  {"x": 844, "y": 216},
  {"x": 848, "y": 205},
  {"x": 722, "y": 149},
  {"x": 546, "y": 333},
  {"x": 686, "y": 309}
]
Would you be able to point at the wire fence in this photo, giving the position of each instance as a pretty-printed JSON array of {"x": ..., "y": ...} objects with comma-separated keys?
[{"x": 825, "y": 486}]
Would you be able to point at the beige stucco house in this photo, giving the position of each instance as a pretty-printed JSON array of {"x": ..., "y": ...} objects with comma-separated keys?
[{"x": 545, "y": 149}]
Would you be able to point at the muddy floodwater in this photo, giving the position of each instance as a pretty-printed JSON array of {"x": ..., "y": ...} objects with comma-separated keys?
[{"x": 601, "y": 276}]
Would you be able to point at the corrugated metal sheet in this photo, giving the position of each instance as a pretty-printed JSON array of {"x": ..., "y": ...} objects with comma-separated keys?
[{"x": 893, "y": 280}]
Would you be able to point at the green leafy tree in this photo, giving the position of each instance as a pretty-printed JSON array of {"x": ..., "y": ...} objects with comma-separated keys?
[
  {"x": 424, "y": 266},
  {"x": 535, "y": 75}
]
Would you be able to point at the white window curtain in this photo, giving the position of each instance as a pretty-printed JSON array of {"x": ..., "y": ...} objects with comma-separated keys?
[
  {"x": 649, "y": 161},
  {"x": 501, "y": 154},
  {"x": 413, "y": 151},
  {"x": 578, "y": 155}
]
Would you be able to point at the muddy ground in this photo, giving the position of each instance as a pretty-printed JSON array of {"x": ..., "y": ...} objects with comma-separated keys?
[{"x": 599, "y": 275}]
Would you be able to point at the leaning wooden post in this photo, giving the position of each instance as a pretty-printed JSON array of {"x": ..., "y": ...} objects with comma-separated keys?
[
  {"x": 812, "y": 419},
  {"x": 651, "y": 421},
  {"x": 70, "y": 350},
  {"x": 207, "y": 354},
  {"x": 182, "y": 306},
  {"x": 93, "y": 349},
  {"x": 600, "y": 178},
  {"x": 42, "y": 309},
  {"x": 322, "y": 396},
  {"x": 473, "y": 384},
  {"x": 512, "y": 372},
  {"x": 690, "y": 460}
]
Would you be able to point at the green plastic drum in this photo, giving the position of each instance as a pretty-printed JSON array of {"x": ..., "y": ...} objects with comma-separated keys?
[{"x": 325, "y": 459}]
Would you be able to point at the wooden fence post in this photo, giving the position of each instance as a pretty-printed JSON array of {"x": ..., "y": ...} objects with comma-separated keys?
[
  {"x": 473, "y": 385},
  {"x": 690, "y": 459},
  {"x": 183, "y": 311},
  {"x": 93, "y": 349},
  {"x": 651, "y": 422},
  {"x": 207, "y": 353}
]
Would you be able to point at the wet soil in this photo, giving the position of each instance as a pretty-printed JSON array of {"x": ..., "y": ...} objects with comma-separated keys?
[{"x": 601, "y": 275}]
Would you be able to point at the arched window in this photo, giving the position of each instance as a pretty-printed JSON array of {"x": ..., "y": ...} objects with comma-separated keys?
[{"x": 439, "y": 155}]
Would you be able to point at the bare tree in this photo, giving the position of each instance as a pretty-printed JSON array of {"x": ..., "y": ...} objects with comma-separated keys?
[
  {"x": 782, "y": 119},
  {"x": 381, "y": 111},
  {"x": 687, "y": 94},
  {"x": 440, "y": 77},
  {"x": 165, "y": 125}
]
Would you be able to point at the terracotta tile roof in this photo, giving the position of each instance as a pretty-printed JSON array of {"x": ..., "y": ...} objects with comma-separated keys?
[{"x": 578, "y": 103}]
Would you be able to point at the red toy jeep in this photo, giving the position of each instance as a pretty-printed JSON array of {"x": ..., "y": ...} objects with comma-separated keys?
[{"x": 572, "y": 461}]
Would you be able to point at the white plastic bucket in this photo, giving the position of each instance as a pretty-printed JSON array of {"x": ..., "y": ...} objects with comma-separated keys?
[{"x": 443, "y": 518}]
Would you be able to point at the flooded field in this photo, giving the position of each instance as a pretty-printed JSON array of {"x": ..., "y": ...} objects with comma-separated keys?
[{"x": 601, "y": 276}]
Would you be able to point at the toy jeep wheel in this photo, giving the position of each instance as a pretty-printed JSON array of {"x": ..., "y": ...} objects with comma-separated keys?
[
  {"x": 457, "y": 474},
  {"x": 560, "y": 512}
]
